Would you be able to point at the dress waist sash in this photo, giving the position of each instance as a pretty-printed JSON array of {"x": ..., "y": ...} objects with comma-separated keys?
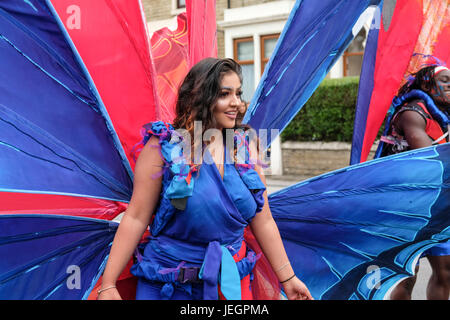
[{"x": 219, "y": 264}]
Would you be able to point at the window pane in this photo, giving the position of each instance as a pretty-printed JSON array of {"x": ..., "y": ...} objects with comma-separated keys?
[
  {"x": 355, "y": 52},
  {"x": 248, "y": 85},
  {"x": 181, "y": 3},
  {"x": 245, "y": 50},
  {"x": 354, "y": 65},
  {"x": 357, "y": 45},
  {"x": 269, "y": 46}
]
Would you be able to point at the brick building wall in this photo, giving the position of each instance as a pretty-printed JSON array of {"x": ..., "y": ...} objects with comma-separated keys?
[{"x": 157, "y": 9}]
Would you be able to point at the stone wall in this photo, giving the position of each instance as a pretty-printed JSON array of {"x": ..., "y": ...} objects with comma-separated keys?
[{"x": 315, "y": 158}]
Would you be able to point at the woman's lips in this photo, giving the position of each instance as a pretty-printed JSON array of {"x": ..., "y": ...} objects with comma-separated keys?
[{"x": 231, "y": 115}]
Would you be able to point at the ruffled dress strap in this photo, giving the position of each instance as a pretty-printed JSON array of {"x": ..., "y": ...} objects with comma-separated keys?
[
  {"x": 160, "y": 129},
  {"x": 177, "y": 184}
]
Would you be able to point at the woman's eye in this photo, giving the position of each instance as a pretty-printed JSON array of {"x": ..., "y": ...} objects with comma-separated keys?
[{"x": 226, "y": 93}]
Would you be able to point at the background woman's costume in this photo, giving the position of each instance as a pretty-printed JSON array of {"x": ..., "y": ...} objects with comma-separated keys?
[
  {"x": 420, "y": 102},
  {"x": 197, "y": 240},
  {"x": 436, "y": 129}
]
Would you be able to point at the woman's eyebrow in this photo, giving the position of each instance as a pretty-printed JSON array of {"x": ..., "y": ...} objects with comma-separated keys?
[{"x": 230, "y": 88}]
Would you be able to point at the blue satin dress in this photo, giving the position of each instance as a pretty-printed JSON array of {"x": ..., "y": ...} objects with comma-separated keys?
[{"x": 206, "y": 233}]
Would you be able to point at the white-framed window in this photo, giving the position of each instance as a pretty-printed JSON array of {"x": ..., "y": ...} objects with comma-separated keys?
[
  {"x": 268, "y": 43},
  {"x": 243, "y": 53},
  {"x": 251, "y": 63},
  {"x": 352, "y": 58}
]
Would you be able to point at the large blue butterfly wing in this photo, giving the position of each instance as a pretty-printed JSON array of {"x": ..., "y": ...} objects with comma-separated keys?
[
  {"x": 55, "y": 138},
  {"x": 50, "y": 257},
  {"x": 355, "y": 232}
]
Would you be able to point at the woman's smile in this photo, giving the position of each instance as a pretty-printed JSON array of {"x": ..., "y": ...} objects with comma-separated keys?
[{"x": 231, "y": 114}]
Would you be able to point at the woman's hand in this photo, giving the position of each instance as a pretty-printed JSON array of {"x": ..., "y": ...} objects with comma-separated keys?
[
  {"x": 110, "y": 294},
  {"x": 296, "y": 290}
]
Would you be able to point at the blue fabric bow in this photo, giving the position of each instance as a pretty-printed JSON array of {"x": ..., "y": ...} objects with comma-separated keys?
[{"x": 219, "y": 258}]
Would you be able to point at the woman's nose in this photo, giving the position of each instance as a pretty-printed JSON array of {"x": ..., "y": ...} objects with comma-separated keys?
[{"x": 235, "y": 100}]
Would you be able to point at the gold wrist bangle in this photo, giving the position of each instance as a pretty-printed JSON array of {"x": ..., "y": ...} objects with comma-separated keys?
[
  {"x": 101, "y": 290},
  {"x": 283, "y": 266}
]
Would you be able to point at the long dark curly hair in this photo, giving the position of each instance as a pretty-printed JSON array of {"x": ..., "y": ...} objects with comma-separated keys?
[{"x": 199, "y": 92}]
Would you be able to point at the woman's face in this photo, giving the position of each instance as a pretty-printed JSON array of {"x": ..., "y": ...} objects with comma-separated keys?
[
  {"x": 226, "y": 107},
  {"x": 442, "y": 92}
]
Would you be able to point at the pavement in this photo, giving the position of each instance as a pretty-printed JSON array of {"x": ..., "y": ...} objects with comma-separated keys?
[{"x": 278, "y": 182}]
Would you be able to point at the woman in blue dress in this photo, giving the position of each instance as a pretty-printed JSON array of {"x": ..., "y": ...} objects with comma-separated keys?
[{"x": 202, "y": 201}]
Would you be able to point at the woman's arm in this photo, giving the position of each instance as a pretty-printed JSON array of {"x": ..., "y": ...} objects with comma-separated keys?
[
  {"x": 413, "y": 125},
  {"x": 146, "y": 191},
  {"x": 266, "y": 233}
]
